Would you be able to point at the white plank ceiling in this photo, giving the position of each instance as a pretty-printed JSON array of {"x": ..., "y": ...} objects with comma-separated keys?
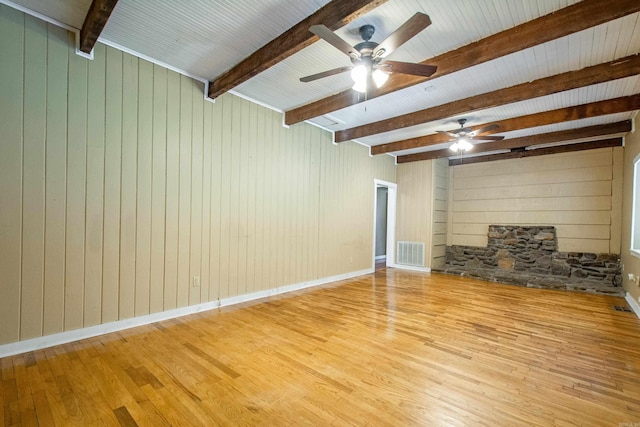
[{"x": 204, "y": 38}]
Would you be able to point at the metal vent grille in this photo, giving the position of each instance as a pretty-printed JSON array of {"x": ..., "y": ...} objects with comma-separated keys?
[
  {"x": 621, "y": 308},
  {"x": 411, "y": 253}
]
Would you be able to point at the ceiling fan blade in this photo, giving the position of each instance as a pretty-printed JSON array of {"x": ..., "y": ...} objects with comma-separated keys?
[
  {"x": 451, "y": 134},
  {"x": 486, "y": 129},
  {"x": 413, "y": 26},
  {"x": 325, "y": 74},
  {"x": 330, "y": 37},
  {"x": 410, "y": 68},
  {"x": 487, "y": 138}
]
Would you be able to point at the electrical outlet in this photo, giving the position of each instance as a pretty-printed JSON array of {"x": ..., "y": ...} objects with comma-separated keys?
[
  {"x": 631, "y": 277},
  {"x": 196, "y": 281}
]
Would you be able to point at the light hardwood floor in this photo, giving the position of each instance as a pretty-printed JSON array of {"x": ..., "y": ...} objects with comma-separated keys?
[{"x": 394, "y": 348}]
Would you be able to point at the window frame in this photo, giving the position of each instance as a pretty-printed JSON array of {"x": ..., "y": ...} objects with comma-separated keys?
[{"x": 634, "y": 247}]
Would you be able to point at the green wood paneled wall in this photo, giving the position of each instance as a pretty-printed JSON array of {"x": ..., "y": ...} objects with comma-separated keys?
[{"x": 119, "y": 183}]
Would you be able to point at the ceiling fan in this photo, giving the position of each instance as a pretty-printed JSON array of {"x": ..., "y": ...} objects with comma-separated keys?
[
  {"x": 461, "y": 137},
  {"x": 369, "y": 66}
]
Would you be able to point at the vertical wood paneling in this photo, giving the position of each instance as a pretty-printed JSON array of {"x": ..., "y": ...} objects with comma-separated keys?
[
  {"x": 112, "y": 185},
  {"x": 242, "y": 199},
  {"x": 261, "y": 197},
  {"x": 158, "y": 191},
  {"x": 172, "y": 196},
  {"x": 327, "y": 207},
  {"x": 234, "y": 196},
  {"x": 95, "y": 187},
  {"x": 287, "y": 213},
  {"x": 205, "y": 263},
  {"x": 76, "y": 192},
  {"x": 278, "y": 236},
  {"x": 314, "y": 204},
  {"x": 11, "y": 99},
  {"x": 415, "y": 204},
  {"x": 195, "y": 251},
  {"x": 184, "y": 210},
  {"x": 269, "y": 267},
  {"x": 31, "y": 304},
  {"x": 128, "y": 187},
  {"x": 225, "y": 194},
  {"x": 252, "y": 160},
  {"x": 440, "y": 212},
  {"x": 143, "y": 193},
  {"x": 216, "y": 188},
  {"x": 301, "y": 202},
  {"x": 122, "y": 184},
  {"x": 55, "y": 180}
]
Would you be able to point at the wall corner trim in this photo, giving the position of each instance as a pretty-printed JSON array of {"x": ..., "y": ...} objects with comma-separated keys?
[
  {"x": 633, "y": 304},
  {"x": 38, "y": 343}
]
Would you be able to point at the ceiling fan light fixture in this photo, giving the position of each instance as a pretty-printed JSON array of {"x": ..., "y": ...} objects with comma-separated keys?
[
  {"x": 461, "y": 145},
  {"x": 359, "y": 75},
  {"x": 380, "y": 77},
  {"x": 360, "y": 86}
]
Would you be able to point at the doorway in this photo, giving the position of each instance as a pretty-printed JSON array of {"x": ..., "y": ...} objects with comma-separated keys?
[{"x": 384, "y": 224}]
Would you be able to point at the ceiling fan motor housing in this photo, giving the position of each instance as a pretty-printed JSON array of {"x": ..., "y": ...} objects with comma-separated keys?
[
  {"x": 366, "y": 47},
  {"x": 366, "y": 32}
]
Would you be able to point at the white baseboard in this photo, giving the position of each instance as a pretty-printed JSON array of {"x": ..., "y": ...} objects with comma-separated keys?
[
  {"x": 93, "y": 331},
  {"x": 381, "y": 257},
  {"x": 290, "y": 288},
  {"x": 633, "y": 304},
  {"x": 412, "y": 268}
]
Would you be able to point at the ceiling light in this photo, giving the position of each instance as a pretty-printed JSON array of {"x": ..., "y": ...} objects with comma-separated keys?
[
  {"x": 380, "y": 77},
  {"x": 461, "y": 145},
  {"x": 359, "y": 75},
  {"x": 360, "y": 86}
]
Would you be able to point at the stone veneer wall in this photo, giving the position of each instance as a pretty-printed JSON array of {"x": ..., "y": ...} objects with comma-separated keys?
[{"x": 528, "y": 256}]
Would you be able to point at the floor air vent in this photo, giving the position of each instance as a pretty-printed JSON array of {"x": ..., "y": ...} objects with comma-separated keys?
[
  {"x": 621, "y": 308},
  {"x": 411, "y": 253}
]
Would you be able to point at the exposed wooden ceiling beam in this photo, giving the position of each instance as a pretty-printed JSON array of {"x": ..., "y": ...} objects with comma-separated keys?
[
  {"x": 94, "y": 22},
  {"x": 334, "y": 15},
  {"x": 574, "y": 18},
  {"x": 592, "y": 145},
  {"x": 625, "y": 67},
  {"x": 584, "y": 111},
  {"x": 527, "y": 141}
]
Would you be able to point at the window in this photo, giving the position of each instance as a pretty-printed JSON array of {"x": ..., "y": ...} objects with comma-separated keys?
[{"x": 635, "y": 209}]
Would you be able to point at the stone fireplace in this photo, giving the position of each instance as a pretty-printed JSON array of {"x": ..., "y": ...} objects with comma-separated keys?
[{"x": 528, "y": 256}]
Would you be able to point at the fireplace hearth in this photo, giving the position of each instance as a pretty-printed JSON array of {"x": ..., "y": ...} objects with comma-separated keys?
[{"x": 528, "y": 256}]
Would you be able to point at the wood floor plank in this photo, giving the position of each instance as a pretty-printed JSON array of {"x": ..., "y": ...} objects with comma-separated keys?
[
  {"x": 390, "y": 348},
  {"x": 124, "y": 417}
]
